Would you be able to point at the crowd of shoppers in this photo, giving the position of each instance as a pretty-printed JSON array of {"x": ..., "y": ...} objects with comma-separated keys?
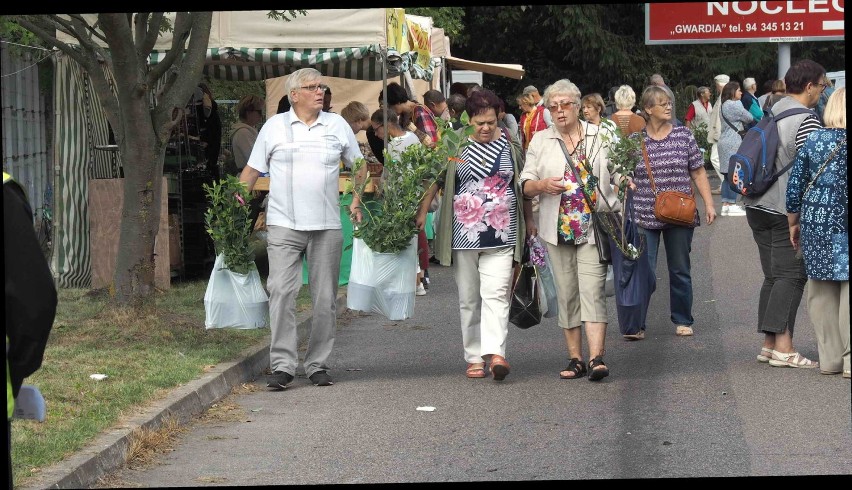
[{"x": 547, "y": 176}]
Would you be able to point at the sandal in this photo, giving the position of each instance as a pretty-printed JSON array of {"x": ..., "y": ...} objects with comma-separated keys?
[
  {"x": 636, "y": 336},
  {"x": 791, "y": 359},
  {"x": 765, "y": 354},
  {"x": 499, "y": 367},
  {"x": 475, "y": 370},
  {"x": 575, "y": 366},
  {"x": 683, "y": 331},
  {"x": 599, "y": 373}
]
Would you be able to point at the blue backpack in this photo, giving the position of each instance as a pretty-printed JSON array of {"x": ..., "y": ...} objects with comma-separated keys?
[{"x": 751, "y": 170}]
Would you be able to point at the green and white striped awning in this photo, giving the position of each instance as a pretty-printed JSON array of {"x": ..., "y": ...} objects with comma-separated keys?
[{"x": 363, "y": 63}]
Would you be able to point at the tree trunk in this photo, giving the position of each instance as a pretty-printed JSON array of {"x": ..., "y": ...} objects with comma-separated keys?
[{"x": 142, "y": 160}]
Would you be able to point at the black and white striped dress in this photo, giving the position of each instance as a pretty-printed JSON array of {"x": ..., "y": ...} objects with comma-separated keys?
[{"x": 484, "y": 206}]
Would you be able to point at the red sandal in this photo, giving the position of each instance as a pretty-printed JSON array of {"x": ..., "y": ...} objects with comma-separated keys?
[
  {"x": 499, "y": 367},
  {"x": 475, "y": 370}
]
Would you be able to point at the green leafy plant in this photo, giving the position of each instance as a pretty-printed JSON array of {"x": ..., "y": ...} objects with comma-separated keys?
[
  {"x": 228, "y": 223},
  {"x": 700, "y": 133},
  {"x": 624, "y": 152},
  {"x": 389, "y": 226}
]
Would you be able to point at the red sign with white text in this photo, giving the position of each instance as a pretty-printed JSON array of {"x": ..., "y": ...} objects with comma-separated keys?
[{"x": 744, "y": 22}]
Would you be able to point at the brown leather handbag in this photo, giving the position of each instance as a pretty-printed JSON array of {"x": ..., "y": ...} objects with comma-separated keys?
[{"x": 673, "y": 207}]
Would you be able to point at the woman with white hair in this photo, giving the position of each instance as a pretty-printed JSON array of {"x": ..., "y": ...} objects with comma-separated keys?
[
  {"x": 563, "y": 164},
  {"x": 626, "y": 120}
]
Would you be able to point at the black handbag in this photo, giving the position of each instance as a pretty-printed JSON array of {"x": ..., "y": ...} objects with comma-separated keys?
[
  {"x": 525, "y": 307},
  {"x": 525, "y": 303},
  {"x": 601, "y": 237}
]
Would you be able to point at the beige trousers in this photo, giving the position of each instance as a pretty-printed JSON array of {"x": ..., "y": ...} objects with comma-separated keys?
[{"x": 828, "y": 304}]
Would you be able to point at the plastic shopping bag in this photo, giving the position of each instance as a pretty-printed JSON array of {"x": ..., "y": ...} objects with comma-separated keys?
[
  {"x": 235, "y": 300},
  {"x": 548, "y": 285},
  {"x": 383, "y": 283}
]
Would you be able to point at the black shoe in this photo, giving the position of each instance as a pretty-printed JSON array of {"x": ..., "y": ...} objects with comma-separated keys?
[
  {"x": 434, "y": 260},
  {"x": 278, "y": 380},
  {"x": 321, "y": 378},
  {"x": 424, "y": 282}
]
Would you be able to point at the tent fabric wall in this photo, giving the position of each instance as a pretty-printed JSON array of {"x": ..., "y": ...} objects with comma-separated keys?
[
  {"x": 71, "y": 261},
  {"x": 81, "y": 127}
]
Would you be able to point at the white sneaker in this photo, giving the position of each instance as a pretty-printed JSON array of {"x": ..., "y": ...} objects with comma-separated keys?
[
  {"x": 734, "y": 210},
  {"x": 421, "y": 291},
  {"x": 724, "y": 210}
]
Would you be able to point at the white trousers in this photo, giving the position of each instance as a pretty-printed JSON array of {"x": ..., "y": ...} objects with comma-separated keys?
[
  {"x": 714, "y": 160},
  {"x": 483, "y": 278}
]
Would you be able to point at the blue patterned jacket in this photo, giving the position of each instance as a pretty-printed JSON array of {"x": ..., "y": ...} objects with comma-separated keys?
[{"x": 824, "y": 210}]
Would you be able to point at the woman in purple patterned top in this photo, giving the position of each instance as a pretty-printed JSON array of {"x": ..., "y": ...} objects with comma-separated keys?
[{"x": 674, "y": 158}]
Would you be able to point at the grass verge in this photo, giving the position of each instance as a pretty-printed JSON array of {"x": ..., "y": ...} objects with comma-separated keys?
[{"x": 143, "y": 353}]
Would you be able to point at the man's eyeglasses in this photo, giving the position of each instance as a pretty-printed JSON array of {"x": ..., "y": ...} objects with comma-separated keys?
[
  {"x": 564, "y": 105},
  {"x": 822, "y": 87},
  {"x": 314, "y": 87}
]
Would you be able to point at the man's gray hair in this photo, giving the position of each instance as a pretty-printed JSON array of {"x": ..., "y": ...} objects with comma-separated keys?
[
  {"x": 749, "y": 83},
  {"x": 561, "y": 87},
  {"x": 530, "y": 89},
  {"x": 657, "y": 79},
  {"x": 301, "y": 77}
]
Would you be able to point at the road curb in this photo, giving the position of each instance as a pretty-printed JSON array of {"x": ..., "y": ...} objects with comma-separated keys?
[{"x": 107, "y": 452}]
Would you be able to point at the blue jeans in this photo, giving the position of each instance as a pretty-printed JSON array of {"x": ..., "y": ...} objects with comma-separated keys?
[
  {"x": 678, "y": 241},
  {"x": 728, "y": 194}
]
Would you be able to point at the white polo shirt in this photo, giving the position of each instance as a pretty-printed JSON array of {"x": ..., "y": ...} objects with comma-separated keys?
[{"x": 304, "y": 167}]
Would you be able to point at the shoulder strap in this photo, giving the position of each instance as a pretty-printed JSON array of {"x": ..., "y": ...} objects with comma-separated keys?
[
  {"x": 722, "y": 113},
  {"x": 825, "y": 164},
  {"x": 648, "y": 165}
]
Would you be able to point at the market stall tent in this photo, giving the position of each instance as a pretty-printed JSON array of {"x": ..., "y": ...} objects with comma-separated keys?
[{"x": 244, "y": 45}]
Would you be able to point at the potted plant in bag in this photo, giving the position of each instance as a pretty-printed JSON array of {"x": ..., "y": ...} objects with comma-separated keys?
[
  {"x": 385, "y": 242},
  {"x": 235, "y": 296}
]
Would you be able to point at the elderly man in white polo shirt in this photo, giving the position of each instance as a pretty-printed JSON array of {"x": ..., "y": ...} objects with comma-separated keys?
[{"x": 302, "y": 149}]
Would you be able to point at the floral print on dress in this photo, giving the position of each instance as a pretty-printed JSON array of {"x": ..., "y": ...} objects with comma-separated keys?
[
  {"x": 484, "y": 203},
  {"x": 574, "y": 213}
]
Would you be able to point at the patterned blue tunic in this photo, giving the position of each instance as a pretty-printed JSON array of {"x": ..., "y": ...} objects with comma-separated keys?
[{"x": 824, "y": 217}]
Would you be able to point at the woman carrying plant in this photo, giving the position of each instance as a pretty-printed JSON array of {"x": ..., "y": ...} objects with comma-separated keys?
[
  {"x": 385, "y": 123},
  {"x": 482, "y": 233},
  {"x": 563, "y": 165},
  {"x": 674, "y": 158}
]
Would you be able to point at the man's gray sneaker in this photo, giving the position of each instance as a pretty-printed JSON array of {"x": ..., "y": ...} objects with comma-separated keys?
[
  {"x": 321, "y": 378},
  {"x": 278, "y": 380}
]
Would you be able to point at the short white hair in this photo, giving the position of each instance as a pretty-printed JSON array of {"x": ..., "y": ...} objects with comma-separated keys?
[
  {"x": 625, "y": 97},
  {"x": 301, "y": 76},
  {"x": 561, "y": 87},
  {"x": 749, "y": 83}
]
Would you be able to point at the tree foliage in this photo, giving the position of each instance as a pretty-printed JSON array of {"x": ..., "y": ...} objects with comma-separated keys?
[
  {"x": 600, "y": 46},
  {"x": 141, "y": 115}
]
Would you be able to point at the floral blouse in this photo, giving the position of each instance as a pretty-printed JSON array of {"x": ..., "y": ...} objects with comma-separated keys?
[
  {"x": 574, "y": 213},
  {"x": 484, "y": 211},
  {"x": 824, "y": 210}
]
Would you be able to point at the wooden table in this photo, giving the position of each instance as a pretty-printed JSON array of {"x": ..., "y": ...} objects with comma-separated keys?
[{"x": 262, "y": 183}]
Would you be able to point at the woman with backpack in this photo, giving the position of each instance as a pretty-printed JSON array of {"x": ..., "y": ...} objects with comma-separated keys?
[
  {"x": 784, "y": 272},
  {"x": 735, "y": 118},
  {"x": 818, "y": 215}
]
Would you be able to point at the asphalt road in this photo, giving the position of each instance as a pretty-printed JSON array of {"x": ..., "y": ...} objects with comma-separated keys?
[{"x": 672, "y": 407}]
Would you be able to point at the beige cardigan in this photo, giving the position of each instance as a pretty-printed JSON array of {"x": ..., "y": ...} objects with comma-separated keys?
[{"x": 545, "y": 159}]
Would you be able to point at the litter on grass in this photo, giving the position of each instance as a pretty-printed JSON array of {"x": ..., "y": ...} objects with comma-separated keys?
[
  {"x": 98, "y": 377},
  {"x": 426, "y": 409}
]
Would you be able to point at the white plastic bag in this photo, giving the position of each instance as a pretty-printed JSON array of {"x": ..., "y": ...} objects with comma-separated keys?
[
  {"x": 382, "y": 282},
  {"x": 235, "y": 300}
]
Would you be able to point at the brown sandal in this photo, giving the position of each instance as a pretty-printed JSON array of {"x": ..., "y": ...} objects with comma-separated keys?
[{"x": 475, "y": 370}]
